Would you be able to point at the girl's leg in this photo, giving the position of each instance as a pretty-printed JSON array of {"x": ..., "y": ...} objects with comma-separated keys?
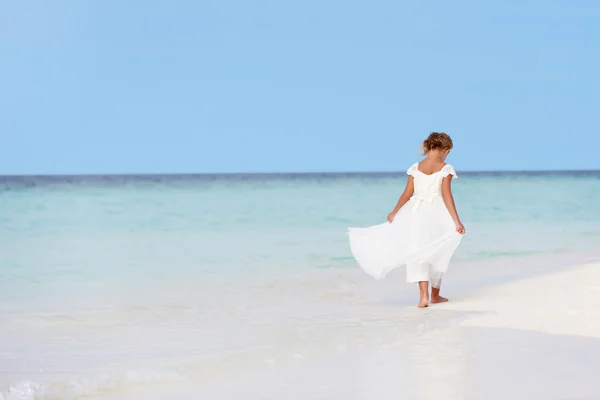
[
  {"x": 424, "y": 294},
  {"x": 419, "y": 273}
]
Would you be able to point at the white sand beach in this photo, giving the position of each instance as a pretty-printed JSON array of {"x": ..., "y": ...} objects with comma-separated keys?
[
  {"x": 533, "y": 338},
  {"x": 561, "y": 303}
]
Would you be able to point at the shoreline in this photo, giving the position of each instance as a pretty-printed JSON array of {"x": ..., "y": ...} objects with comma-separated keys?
[{"x": 502, "y": 341}]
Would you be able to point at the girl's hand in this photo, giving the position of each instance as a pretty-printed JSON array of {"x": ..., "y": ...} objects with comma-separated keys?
[
  {"x": 460, "y": 228},
  {"x": 391, "y": 216}
]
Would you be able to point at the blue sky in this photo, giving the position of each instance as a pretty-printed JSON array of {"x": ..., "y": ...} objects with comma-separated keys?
[{"x": 298, "y": 85}]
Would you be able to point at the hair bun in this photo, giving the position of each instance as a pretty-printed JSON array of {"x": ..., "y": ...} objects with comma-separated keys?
[{"x": 437, "y": 140}]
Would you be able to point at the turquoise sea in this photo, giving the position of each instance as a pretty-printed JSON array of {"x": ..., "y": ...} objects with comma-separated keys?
[{"x": 111, "y": 284}]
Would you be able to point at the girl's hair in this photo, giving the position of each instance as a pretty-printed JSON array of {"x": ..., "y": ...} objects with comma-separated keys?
[{"x": 437, "y": 140}]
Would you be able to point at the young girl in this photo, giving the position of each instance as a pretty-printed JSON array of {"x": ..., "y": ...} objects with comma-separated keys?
[{"x": 423, "y": 230}]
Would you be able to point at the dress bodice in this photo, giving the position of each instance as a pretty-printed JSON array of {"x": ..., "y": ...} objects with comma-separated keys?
[{"x": 427, "y": 186}]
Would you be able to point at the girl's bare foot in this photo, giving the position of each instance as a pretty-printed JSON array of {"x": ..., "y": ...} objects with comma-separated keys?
[
  {"x": 424, "y": 302},
  {"x": 435, "y": 296},
  {"x": 438, "y": 299}
]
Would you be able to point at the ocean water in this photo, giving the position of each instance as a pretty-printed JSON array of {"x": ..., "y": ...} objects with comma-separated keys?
[{"x": 118, "y": 285}]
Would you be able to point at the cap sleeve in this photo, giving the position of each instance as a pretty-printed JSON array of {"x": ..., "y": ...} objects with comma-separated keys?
[
  {"x": 412, "y": 170},
  {"x": 448, "y": 170}
]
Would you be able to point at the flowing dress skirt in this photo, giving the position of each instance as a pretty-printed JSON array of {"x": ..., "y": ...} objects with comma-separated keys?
[{"x": 422, "y": 236}]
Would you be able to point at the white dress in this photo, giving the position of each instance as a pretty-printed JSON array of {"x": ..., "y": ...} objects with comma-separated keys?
[{"x": 422, "y": 235}]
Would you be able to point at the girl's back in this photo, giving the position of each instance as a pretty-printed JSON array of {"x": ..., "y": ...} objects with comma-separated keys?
[{"x": 429, "y": 166}]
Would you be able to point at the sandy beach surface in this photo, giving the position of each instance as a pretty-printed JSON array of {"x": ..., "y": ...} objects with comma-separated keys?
[{"x": 530, "y": 338}]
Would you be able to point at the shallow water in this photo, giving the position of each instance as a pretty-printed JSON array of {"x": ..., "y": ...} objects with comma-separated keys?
[{"x": 123, "y": 284}]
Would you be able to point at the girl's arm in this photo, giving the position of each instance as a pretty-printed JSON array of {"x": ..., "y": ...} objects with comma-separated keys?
[
  {"x": 404, "y": 198},
  {"x": 449, "y": 202}
]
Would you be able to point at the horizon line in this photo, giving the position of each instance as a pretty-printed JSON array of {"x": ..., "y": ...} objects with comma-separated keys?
[{"x": 275, "y": 174}]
